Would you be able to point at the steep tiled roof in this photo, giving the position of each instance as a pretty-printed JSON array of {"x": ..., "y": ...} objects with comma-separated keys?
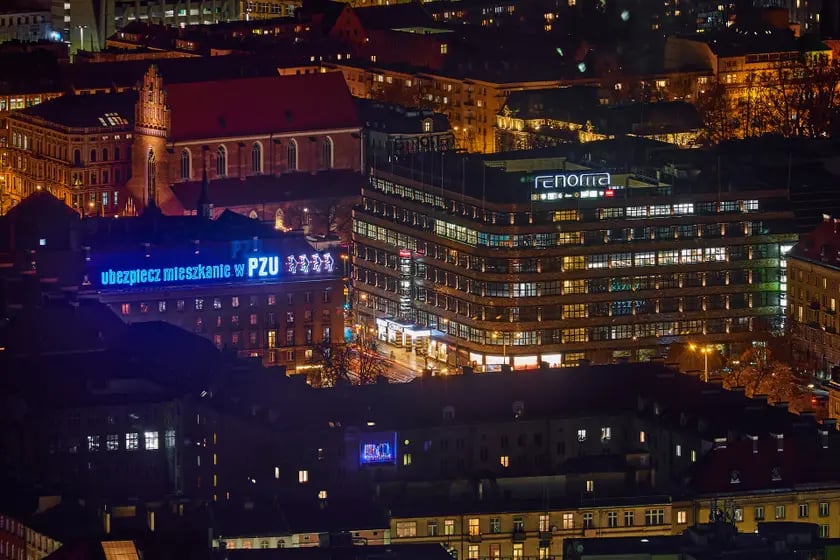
[
  {"x": 822, "y": 245},
  {"x": 306, "y": 102}
]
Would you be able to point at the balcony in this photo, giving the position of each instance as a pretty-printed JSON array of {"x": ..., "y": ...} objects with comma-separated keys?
[
  {"x": 518, "y": 536},
  {"x": 475, "y": 537}
]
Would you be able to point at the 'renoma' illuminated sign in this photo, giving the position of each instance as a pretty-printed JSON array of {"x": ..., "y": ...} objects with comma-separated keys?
[
  {"x": 572, "y": 180},
  {"x": 257, "y": 267}
]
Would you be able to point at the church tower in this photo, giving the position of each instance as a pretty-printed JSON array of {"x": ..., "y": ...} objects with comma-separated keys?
[{"x": 150, "y": 165}]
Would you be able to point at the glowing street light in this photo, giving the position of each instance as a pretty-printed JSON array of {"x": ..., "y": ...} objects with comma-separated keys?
[{"x": 705, "y": 350}]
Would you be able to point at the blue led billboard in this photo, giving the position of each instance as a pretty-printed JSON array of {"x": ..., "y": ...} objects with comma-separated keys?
[
  {"x": 193, "y": 269},
  {"x": 378, "y": 450}
]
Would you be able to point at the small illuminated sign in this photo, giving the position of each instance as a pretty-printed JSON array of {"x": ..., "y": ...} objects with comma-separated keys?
[
  {"x": 377, "y": 453},
  {"x": 572, "y": 180}
]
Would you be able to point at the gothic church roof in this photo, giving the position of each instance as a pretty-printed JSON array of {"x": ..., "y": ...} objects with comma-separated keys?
[{"x": 256, "y": 106}]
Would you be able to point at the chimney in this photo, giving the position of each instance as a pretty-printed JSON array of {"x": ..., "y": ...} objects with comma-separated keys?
[{"x": 754, "y": 443}]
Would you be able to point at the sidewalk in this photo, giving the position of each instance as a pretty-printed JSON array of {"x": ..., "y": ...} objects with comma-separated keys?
[{"x": 406, "y": 358}]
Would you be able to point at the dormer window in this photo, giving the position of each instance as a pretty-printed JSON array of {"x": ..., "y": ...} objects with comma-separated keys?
[
  {"x": 427, "y": 125},
  {"x": 776, "y": 474},
  {"x": 518, "y": 409},
  {"x": 735, "y": 477},
  {"x": 449, "y": 413}
]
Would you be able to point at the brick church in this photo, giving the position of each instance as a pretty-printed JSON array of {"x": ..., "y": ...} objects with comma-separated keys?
[{"x": 239, "y": 129}]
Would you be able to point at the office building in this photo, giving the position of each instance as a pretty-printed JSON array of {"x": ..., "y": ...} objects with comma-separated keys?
[
  {"x": 85, "y": 24},
  {"x": 532, "y": 258},
  {"x": 27, "y": 22}
]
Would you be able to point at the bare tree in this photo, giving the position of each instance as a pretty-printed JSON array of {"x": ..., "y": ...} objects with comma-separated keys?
[
  {"x": 357, "y": 364},
  {"x": 333, "y": 365},
  {"x": 801, "y": 94},
  {"x": 759, "y": 374},
  {"x": 368, "y": 364},
  {"x": 797, "y": 96},
  {"x": 716, "y": 111}
]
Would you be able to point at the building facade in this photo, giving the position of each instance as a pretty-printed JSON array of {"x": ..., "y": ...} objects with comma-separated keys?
[
  {"x": 76, "y": 147},
  {"x": 529, "y": 267},
  {"x": 267, "y": 299},
  {"x": 392, "y": 130},
  {"x": 85, "y": 24},
  {"x": 813, "y": 290},
  {"x": 283, "y": 129},
  {"x": 25, "y": 25},
  {"x": 470, "y": 103},
  {"x": 540, "y": 533}
]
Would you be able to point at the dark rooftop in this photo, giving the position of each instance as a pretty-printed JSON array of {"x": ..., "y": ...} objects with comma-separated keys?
[
  {"x": 396, "y": 16},
  {"x": 115, "y": 110},
  {"x": 573, "y": 104},
  {"x": 394, "y": 119},
  {"x": 559, "y": 393},
  {"x": 261, "y": 189}
]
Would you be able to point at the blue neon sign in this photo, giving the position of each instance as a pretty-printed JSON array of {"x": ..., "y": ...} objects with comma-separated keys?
[{"x": 255, "y": 267}]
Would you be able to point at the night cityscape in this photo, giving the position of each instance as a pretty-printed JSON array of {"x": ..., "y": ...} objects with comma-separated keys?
[{"x": 424, "y": 280}]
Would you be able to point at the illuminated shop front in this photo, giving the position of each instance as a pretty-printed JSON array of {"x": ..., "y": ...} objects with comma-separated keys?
[
  {"x": 402, "y": 334},
  {"x": 547, "y": 266}
]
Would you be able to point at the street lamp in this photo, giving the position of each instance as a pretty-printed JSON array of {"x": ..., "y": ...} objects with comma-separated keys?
[
  {"x": 344, "y": 258},
  {"x": 504, "y": 345},
  {"x": 705, "y": 350}
]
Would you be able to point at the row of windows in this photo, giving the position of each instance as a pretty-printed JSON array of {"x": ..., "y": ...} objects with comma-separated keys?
[
  {"x": 94, "y": 155},
  {"x": 477, "y": 213},
  {"x": 201, "y": 303},
  {"x": 257, "y": 158},
  {"x": 625, "y": 259},
  {"x": 500, "y": 265},
  {"x": 272, "y": 339},
  {"x": 129, "y": 442},
  {"x": 545, "y": 524}
]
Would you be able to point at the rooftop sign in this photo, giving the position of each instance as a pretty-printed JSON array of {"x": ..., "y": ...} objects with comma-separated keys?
[{"x": 571, "y": 179}]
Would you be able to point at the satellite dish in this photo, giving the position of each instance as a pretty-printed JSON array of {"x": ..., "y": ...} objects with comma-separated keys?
[{"x": 579, "y": 548}]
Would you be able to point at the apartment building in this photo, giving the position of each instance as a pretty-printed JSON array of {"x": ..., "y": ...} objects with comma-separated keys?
[
  {"x": 813, "y": 274},
  {"x": 471, "y": 102},
  {"x": 76, "y": 147}
]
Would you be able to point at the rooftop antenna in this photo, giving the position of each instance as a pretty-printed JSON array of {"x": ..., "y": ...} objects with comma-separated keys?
[
  {"x": 483, "y": 187},
  {"x": 790, "y": 173}
]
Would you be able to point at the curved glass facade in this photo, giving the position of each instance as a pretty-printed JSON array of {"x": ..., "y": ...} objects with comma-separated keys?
[{"x": 600, "y": 274}]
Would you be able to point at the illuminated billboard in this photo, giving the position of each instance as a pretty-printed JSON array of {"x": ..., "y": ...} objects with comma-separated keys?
[
  {"x": 378, "y": 450},
  {"x": 192, "y": 269}
]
